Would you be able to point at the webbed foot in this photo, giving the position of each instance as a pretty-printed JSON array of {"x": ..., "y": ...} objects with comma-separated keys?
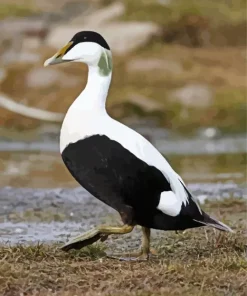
[{"x": 91, "y": 236}]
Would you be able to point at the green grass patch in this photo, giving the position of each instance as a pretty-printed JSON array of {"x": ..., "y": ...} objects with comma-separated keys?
[
  {"x": 16, "y": 10},
  {"x": 218, "y": 11}
]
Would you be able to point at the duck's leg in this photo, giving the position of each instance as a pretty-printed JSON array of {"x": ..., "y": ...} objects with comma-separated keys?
[
  {"x": 98, "y": 233},
  {"x": 141, "y": 255}
]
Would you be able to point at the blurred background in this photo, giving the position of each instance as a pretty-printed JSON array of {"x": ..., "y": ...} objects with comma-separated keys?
[{"x": 179, "y": 79}]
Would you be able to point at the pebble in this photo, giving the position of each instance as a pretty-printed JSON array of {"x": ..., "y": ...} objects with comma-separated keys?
[{"x": 193, "y": 95}]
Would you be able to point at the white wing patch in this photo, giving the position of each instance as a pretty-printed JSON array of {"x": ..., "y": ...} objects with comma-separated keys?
[
  {"x": 177, "y": 187},
  {"x": 169, "y": 203}
]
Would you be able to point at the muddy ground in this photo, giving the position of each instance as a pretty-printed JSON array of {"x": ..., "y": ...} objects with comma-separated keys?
[
  {"x": 52, "y": 215},
  {"x": 197, "y": 262},
  {"x": 36, "y": 222}
]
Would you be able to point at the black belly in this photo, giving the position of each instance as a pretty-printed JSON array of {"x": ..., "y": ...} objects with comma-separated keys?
[{"x": 118, "y": 178}]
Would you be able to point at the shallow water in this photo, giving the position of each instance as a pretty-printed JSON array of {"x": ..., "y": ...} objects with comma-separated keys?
[
  {"x": 46, "y": 170},
  {"x": 166, "y": 145},
  {"x": 31, "y": 232}
]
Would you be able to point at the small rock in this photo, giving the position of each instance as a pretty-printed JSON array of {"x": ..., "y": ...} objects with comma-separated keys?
[
  {"x": 19, "y": 230},
  {"x": 168, "y": 66},
  {"x": 194, "y": 95},
  {"x": 44, "y": 77},
  {"x": 208, "y": 132}
]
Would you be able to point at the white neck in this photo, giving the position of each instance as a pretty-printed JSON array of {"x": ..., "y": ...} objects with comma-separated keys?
[{"x": 94, "y": 95}]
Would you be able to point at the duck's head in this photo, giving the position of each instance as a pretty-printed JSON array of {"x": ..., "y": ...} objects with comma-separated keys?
[{"x": 87, "y": 47}]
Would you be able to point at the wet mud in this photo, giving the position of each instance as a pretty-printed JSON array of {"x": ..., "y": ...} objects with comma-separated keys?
[{"x": 53, "y": 215}]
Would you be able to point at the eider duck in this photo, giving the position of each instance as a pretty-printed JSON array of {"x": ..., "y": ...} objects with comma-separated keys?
[{"x": 116, "y": 164}]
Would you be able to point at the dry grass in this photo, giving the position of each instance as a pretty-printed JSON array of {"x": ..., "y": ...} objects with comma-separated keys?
[{"x": 192, "y": 263}]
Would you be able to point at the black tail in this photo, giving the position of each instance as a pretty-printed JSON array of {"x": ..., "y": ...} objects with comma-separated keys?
[
  {"x": 208, "y": 221},
  {"x": 203, "y": 219}
]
